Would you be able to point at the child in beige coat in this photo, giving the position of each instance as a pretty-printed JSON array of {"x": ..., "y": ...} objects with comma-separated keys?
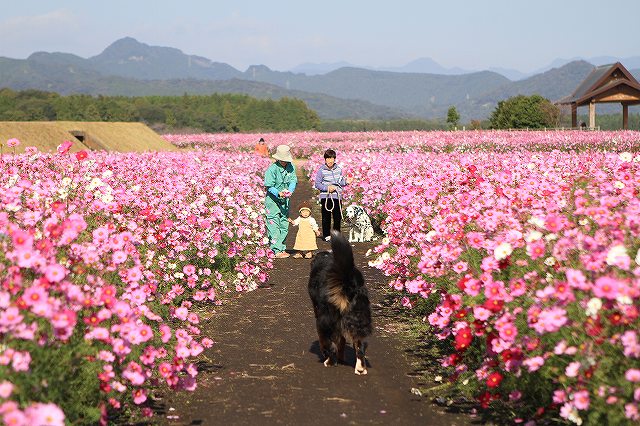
[{"x": 308, "y": 230}]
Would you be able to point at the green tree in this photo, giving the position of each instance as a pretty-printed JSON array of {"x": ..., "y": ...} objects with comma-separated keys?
[
  {"x": 520, "y": 112},
  {"x": 453, "y": 117}
]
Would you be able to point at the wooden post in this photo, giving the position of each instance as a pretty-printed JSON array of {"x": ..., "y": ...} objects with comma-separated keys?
[
  {"x": 574, "y": 115},
  {"x": 592, "y": 115},
  {"x": 625, "y": 116}
]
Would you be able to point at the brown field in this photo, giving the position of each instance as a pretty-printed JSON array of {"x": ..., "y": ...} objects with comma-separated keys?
[{"x": 97, "y": 136}]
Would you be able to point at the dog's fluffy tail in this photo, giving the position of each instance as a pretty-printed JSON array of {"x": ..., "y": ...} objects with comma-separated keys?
[
  {"x": 342, "y": 271},
  {"x": 342, "y": 254}
]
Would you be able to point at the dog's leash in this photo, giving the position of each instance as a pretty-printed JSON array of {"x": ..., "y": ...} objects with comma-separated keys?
[{"x": 333, "y": 204}]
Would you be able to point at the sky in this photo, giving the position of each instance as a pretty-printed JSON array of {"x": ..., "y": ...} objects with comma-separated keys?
[{"x": 470, "y": 34}]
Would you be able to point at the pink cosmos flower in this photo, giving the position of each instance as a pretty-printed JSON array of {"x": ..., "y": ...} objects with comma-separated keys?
[
  {"x": 631, "y": 411},
  {"x": 13, "y": 142},
  {"x": 480, "y": 313},
  {"x": 508, "y": 332},
  {"x": 64, "y": 147},
  {"x": 21, "y": 361},
  {"x": 606, "y": 287},
  {"x": 554, "y": 222},
  {"x": 165, "y": 333},
  {"x": 460, "y": 267},
  {"x": 572, "y": 369},
  {"x": 632, "y": 375},
  {"x": 182, "y": 351},
  {"x": 181, "y": 313},
  {"x": 11, "y": 316},
  {"x": 6, "y": 388},
  {"x": 576, "y": 279},
  {"x": 581, "y": 400},
  {"x": 559, "y": 396},
  {"x": 134, "y": 274},
  {"x": 139, "y": 396},
  {"x": 120, "y": 347},
  {"x": 15, "y": 417},
  {"x": 534, "y": 364},
  {"x": 22, "y": 239},
  {"x": 193, "y": 318},
  {"x": 118, "y": 257},
  {"x": 26, "y": 258},
  {"x": 536, "y": 249},
  {"x": 55, "y": 272}
]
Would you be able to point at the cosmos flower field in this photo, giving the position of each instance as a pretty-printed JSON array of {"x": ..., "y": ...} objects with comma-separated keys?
[{"x": 521, "y": 247}]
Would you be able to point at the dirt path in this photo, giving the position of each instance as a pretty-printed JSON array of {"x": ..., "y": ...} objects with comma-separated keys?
[{"x": 265, "y": 366}]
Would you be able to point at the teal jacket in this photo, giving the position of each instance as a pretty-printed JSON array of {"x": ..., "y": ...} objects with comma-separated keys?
[{"x": 278, "y": 178}]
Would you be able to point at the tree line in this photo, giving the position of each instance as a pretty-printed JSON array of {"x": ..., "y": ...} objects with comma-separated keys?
[
  {"x": 242, "y": 113},
  {"x": 208, "y": 113}
]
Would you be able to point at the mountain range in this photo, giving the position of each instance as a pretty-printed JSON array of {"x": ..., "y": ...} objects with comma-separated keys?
[{"x": 420, "y": 89}]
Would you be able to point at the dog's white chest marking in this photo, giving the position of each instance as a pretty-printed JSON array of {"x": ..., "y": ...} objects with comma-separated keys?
[{"x": 360, "y": 367}]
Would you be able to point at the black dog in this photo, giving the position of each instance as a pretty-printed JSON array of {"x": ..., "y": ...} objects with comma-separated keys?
[{"x": 340, "y": 303}]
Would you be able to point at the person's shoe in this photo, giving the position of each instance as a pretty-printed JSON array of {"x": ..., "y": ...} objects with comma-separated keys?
[
  {"x": 298, "y": 255},
  {"x": 282, "y": 255},
  {"x": 327, "y": 238}
]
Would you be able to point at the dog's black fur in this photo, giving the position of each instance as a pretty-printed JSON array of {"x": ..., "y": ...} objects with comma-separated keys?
[{"x": 340, "y": 303}]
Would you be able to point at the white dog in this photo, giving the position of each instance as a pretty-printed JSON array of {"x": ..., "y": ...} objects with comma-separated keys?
[{"x": 361, "y": 230}]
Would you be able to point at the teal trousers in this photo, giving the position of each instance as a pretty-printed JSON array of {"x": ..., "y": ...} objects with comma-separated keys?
[{"x": 277, "y": 224}]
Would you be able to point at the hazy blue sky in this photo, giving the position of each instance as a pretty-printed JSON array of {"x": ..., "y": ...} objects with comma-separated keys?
[{"x": 472, "y": 34}]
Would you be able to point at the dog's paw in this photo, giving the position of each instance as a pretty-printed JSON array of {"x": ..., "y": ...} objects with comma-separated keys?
[
  {"x": 329, "y": 362},
  {"x": 361, "y": 368},
  {"x": 361, "y": 373}
]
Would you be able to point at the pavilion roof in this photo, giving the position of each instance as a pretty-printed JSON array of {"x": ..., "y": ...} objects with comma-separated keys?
[{"x": 601, "y": 79}]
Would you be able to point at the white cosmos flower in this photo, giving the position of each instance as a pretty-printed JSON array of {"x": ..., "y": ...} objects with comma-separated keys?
[
  {"x": 593, "y": 306},
  {"x": 533, "y": 236},
  {"x": 618, "y": 185},
  {"x": 550, "y": 261},
  {"x": 429, "y": 236},
  {"x": 537, "y": 222},
  {"x": 615, "y": 252},
  {"x": 626, "y": 157},
  {"x": 502, "y": 251},
  {"x": 624, "y": 300}
]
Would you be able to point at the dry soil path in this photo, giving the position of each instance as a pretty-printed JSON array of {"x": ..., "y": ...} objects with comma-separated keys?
[{"x": 265, "y": 368}]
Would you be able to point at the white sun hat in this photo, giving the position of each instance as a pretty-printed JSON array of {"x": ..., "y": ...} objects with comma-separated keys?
[{"x": 283, "y": 153}]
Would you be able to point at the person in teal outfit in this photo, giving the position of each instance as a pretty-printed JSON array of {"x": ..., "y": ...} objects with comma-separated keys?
[{"x": 280, "y": 181}]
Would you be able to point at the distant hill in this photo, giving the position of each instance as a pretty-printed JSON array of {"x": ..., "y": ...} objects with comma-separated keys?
[
  {"x": 129, "y": 58},
  {"x": 56, "y": 75},
  {"x": 413, "y": 92},
  {"x": 309, "y": 68},
  {"x": 553, "y": 84},
  {"x": 130, "y": 68}
]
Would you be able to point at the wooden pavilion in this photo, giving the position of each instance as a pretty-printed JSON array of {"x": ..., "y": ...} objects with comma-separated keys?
[{"x": 605, "y": 84}]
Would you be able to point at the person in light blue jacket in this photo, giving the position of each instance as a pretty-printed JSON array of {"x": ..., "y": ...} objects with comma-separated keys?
[
  {"x": 280, "y": 181},
  {"x": 330, "y": 181}
]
